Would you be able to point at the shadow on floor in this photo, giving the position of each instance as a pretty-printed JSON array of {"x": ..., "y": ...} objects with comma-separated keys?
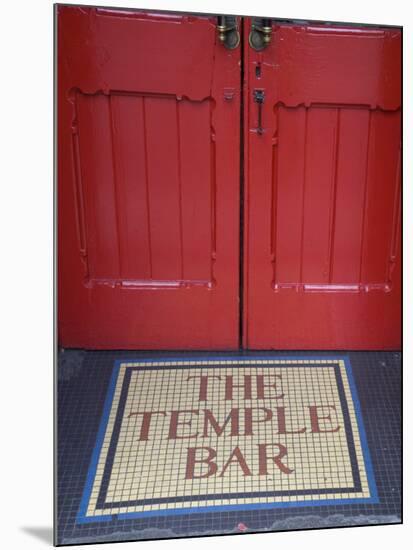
[{"x": 45, "y": 534}]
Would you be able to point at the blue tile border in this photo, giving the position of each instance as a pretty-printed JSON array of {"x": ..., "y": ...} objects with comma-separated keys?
[
  {"x": 373, "y": 499},
  {"x": 98, "y": 445},
  {"x": 362, "y": 433}
]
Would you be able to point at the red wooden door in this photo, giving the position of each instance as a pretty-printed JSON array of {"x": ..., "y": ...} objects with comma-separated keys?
[
  {"x": 148, "y": 181},
  {"x": 148, "y": 184},
  {"x": 322, "y": 191}
]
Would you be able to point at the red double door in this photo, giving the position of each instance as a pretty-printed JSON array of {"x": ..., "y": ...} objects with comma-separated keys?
[{"x": 216, "y": 196}]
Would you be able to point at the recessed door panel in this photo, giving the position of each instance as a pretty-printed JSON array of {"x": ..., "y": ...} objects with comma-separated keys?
[
  {"x": 322, "y": 193},
  {"x": 148, "y": 181}
]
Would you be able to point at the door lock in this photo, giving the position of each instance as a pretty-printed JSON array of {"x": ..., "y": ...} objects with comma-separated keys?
[
  {"x": 259, "y": 97},
  {"x": 260, "y": 34},
  {"x": 228, "y": 33}
]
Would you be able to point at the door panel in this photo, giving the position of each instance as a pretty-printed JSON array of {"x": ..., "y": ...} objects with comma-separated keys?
[
  {"x": 148, "y": 181},
  {"x": 322, "y": 191}
]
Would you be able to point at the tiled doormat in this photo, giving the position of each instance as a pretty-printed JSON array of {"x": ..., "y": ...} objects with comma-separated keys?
[
  {"x": 191, "y": 436},
  {"x": 198, "y": 436}
]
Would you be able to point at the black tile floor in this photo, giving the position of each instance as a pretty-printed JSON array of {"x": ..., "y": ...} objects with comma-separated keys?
[{"x": 83, "y": 381}]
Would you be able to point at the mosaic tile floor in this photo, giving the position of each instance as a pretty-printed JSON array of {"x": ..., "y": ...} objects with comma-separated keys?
[{"x": 169, "y": 445}]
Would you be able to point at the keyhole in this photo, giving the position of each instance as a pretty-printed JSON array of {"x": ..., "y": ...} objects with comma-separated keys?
[{"x": 258, "y": 70}]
